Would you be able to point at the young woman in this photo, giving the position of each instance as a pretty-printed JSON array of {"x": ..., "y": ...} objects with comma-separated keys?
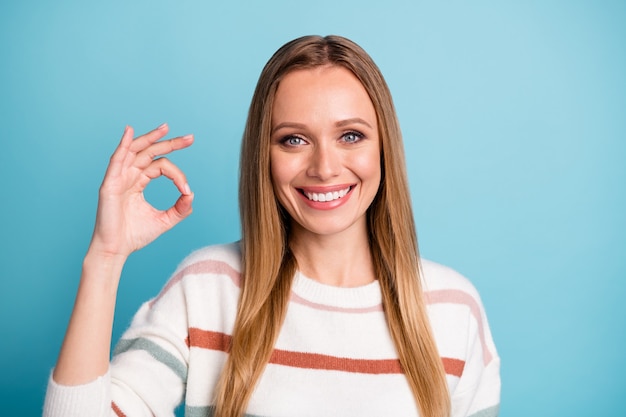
[{"x": 322, "y": 308}]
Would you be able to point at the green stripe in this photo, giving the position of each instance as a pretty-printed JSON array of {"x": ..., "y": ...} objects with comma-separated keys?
[
  {"x": 156, "y": 351},
  {"x": 488, "y": 412},
  {"x": 208, "y": 412},
  {"x": 205, "y": 412},
  {"x": 199, "y": 411}
]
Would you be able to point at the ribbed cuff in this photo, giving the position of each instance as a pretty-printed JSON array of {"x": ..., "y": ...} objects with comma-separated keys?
[{"x": 91, "y": 399}]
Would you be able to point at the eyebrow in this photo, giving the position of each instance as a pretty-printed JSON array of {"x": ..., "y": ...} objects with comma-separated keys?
[{"x": 340, "y": 123}]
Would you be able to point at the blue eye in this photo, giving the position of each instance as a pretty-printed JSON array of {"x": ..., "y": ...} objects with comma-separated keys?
[
  {"x": 352, "y": 137},
  {"x": 293, "y": 141}
]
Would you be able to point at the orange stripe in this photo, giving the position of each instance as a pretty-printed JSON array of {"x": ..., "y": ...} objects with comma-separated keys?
[
  {"x": 453, "y": 366},
  {"x": 205, "y": 339},
  {"x": 431, "y": 297},
  {"x": 333, "y": 363},
  {"x": 117, "y": 410}
]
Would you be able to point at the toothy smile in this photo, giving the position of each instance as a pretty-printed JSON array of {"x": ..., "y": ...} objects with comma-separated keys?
[{"x": 325, "y": 197}]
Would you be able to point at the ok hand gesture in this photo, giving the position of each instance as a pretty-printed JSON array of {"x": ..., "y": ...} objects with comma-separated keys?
[{"x": 125, "y": 221}]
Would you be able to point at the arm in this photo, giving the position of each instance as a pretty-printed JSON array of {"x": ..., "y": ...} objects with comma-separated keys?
[
  {"x": 478, "y": 391},
  {"x": 125, "y": 222}
]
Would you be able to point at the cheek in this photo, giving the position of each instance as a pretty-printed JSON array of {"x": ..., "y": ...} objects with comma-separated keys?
[
  {"x": 277, "y": 186},
  {"x": 275, "y": 169},
  {"x": 367, "y": 167},
  {"x": 279, "y": 172},
  {"x": 282, "y": 175},
  {"x": 285, "y": 168}
]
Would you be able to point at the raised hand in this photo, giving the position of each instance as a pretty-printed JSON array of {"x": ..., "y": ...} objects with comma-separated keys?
[{"x": 125, "y": 221}]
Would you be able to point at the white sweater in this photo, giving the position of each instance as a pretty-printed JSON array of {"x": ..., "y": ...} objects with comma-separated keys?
[{"x": 334, "y": 355}]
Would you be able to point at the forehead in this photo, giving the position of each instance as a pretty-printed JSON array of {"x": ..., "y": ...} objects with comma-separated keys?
[{"x": 321, "y": 93}]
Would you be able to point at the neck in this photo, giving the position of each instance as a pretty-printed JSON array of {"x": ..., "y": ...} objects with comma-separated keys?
[{"x": 342, "y": 260}]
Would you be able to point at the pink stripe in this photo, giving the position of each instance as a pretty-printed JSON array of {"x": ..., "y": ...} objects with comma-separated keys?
[
  {"x": 460, "y": 297},
  {"x": 297, "y": 299},
  {"x": 432, "y": 297},
  {"x": 222, "y": 268},
  {"x": 203, "y": 267}
]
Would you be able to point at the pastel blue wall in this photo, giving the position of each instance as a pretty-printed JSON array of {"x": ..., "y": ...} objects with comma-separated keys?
[{"x": 514, "y": 117}]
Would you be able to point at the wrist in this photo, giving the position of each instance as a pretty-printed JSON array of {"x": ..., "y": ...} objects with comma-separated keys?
[
  {"x": 97, "y": 255},
  {"x": 103, "y": 268}
]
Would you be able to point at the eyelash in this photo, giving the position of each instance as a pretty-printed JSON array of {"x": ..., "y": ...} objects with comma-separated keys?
[
  {"x": 287, "y": 139},
  {"x": 358, "y": 136}
]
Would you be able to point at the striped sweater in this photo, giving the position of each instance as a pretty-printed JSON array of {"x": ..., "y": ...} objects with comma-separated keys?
[{"x": 334, "y": 354}]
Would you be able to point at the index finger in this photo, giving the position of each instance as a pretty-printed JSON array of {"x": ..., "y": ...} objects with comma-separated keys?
[
  {"x": 142, "y": 142},
  {"x": 118, "y": 157}
]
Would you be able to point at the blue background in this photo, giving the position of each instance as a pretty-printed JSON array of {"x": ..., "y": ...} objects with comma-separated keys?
[{"x": 514, "y": 123}]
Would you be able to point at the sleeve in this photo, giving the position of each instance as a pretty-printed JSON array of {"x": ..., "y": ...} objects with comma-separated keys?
[
  {"x": 150, "y": 362},
  {"x": 148, "y": 371},
  {"x": 478, "y": 391}
]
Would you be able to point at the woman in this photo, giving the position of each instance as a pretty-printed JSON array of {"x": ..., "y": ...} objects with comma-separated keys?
[{"x": 319, "y": 310}]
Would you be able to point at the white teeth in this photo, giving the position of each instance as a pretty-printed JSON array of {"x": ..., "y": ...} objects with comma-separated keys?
[{"x": 330, "y": 196}]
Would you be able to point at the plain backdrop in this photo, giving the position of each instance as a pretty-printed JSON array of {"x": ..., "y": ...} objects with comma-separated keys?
[{"x": 513, "y": 115}]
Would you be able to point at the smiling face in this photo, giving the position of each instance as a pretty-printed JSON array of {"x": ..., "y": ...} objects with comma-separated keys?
[{"x": 325, "y": 150}]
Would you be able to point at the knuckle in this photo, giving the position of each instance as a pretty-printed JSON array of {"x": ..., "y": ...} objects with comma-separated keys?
[{"x": 160, "y": 161}]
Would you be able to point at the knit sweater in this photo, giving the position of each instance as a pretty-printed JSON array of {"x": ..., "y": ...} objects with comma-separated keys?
[{"x": 334, "y": 354}]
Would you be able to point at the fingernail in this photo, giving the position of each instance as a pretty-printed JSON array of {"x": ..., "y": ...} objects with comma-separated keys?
[
  {"x": 163, "y": 126},
  {"x": 186, "y": 189},
  {"x": 187, "y": 137}
]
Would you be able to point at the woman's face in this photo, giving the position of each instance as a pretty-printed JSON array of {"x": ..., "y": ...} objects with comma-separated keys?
[{"x": 325, "y": 150}]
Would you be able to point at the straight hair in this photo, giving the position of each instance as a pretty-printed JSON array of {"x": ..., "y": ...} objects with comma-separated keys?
[{"x": 268, "y": 266}]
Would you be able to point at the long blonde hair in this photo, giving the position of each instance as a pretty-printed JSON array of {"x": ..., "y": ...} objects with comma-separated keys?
[{"x": 268, "y": 265}]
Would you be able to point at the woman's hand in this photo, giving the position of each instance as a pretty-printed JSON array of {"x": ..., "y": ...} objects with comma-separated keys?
[{"x": 125, "y": 221}]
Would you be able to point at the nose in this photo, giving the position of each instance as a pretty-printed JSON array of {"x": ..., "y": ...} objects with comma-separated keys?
[{"x": 325, "y": 162}]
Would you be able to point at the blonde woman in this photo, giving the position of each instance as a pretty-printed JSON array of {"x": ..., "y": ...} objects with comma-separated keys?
[{"x": 323, "y": 307}]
